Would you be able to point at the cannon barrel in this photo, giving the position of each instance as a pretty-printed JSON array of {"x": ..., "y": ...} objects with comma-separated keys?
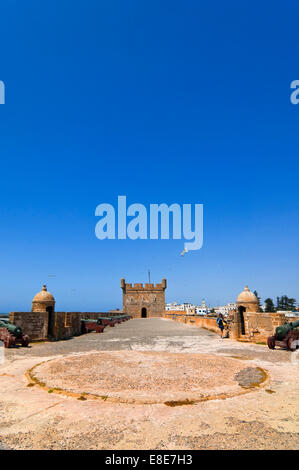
[
  {"x": 282, "y": 330},
  {"x": 106, "y": 318},
  {"x": 12, "y": 329}
]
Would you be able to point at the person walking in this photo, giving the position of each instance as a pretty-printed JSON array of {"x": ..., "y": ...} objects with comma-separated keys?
[{"x": 221, "y": 323}]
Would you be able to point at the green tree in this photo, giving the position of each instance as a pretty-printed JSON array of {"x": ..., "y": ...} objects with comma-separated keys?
[
  {"x": 292, "y": 304},
  {"x": 269, "y": 305},
  {"x": 259, "y": 299},
  {"x": 278, "y": 303},
  {"x": 285, "y": 303}
]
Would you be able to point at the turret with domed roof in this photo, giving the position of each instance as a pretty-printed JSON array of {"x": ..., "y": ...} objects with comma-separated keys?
[
  {"x": 42, "y": 301},
  {"x": 248, "y": 300}
]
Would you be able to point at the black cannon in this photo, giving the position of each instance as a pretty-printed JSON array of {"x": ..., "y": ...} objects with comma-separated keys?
[
  {"x": 12, "y": 335},
  {"x": 88, "y": 325},
  {"x": 111, "y": 321},
  {"x": 286, "y": 336}
]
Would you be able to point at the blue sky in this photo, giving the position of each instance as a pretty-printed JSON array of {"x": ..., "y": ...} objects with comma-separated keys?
[{"x": 162, "y": 102}]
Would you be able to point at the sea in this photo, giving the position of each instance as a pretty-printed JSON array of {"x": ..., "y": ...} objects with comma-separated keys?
[{"x": 4, "y": 316}]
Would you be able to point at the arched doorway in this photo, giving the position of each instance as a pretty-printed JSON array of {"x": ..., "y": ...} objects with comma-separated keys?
[
  {"x": 241, "y": 311},
  {"x": 143, "y": 313}
]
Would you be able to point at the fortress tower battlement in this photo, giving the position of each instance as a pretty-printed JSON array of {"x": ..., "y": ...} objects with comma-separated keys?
[
  {"x": 143, "y": 300},
  {"x": 139, "y": 286}
]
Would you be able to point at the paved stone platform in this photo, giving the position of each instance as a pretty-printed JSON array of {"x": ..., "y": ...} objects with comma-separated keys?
[
  {"x": 266, "y": 418},
  {"x": 139, "y": 333},
  {"x": 154, "y": 334},
  {"x": 147, "y": 377}
]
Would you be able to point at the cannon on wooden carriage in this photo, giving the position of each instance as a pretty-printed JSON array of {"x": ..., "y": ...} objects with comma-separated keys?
[
  {"x": 88, "y": 325},
  {"x": 124, "y": 317},
  {"x": 113, "y": 319},
  {"x": 106, "y": 321},
  {"x": 117, "y": 319},
  {"x": 286, "y": 336},
  {"x": 12, "y": 335}
]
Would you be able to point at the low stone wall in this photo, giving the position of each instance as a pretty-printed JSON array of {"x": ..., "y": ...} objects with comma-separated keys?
[
  {"x": 291, "y": 319},
  {"x": 33, "y": 324},
  {"x": 63, "y": 324},
  {"x": 258, "y": 325},
  {"x": 174, "y": 312},
  {"x": 209, "y": 323},
  {"x": 68, "y": 324}
]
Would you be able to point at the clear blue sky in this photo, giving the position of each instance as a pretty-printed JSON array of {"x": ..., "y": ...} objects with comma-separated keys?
[{"x": 169, "y": 101}]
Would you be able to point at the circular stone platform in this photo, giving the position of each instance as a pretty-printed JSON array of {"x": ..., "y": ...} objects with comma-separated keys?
[{"x": 147, "y": 377}]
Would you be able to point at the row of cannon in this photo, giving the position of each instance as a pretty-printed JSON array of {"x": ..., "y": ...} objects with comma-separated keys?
[
  {"x": 98, "y": 325},
  {"x": 12, "y": 335}
]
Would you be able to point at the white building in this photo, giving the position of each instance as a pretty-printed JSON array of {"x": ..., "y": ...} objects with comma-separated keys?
[
  {"x": 190, "y": 309},
  {"x": 202, "y": 311},
  {"x": 225, "y": 309},
  {"x": 174, "y": 306}
]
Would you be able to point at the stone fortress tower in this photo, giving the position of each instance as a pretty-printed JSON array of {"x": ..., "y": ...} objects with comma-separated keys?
[{"x": 143, "y": 301}]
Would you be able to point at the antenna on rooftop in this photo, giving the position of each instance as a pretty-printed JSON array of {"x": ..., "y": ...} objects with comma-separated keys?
[{"x": 149, "y": 276}]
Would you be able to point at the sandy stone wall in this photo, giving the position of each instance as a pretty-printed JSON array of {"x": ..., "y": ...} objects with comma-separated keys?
[
  {"x": 208, "y": 323},
  {"x": 258, "y": 326},
  {"x": 68, "y": 324},
  {"x": 64, "y": 324},
  {"x": 33, "y": 324}
]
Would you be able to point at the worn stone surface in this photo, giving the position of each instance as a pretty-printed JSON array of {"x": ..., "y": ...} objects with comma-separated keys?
[
  {"x": 249, "y": 377},
  {"x": 265, "y": 418},
  {"x": 147, "y": 377}
]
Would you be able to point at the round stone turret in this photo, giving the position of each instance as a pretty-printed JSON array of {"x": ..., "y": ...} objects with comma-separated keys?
[
  {"x": 248, "y": 300},
  {"x": 43, "y": 301}
]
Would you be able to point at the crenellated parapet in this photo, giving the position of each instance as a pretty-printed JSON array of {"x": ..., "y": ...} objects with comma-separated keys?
[{"x": 143, "y": 287}]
